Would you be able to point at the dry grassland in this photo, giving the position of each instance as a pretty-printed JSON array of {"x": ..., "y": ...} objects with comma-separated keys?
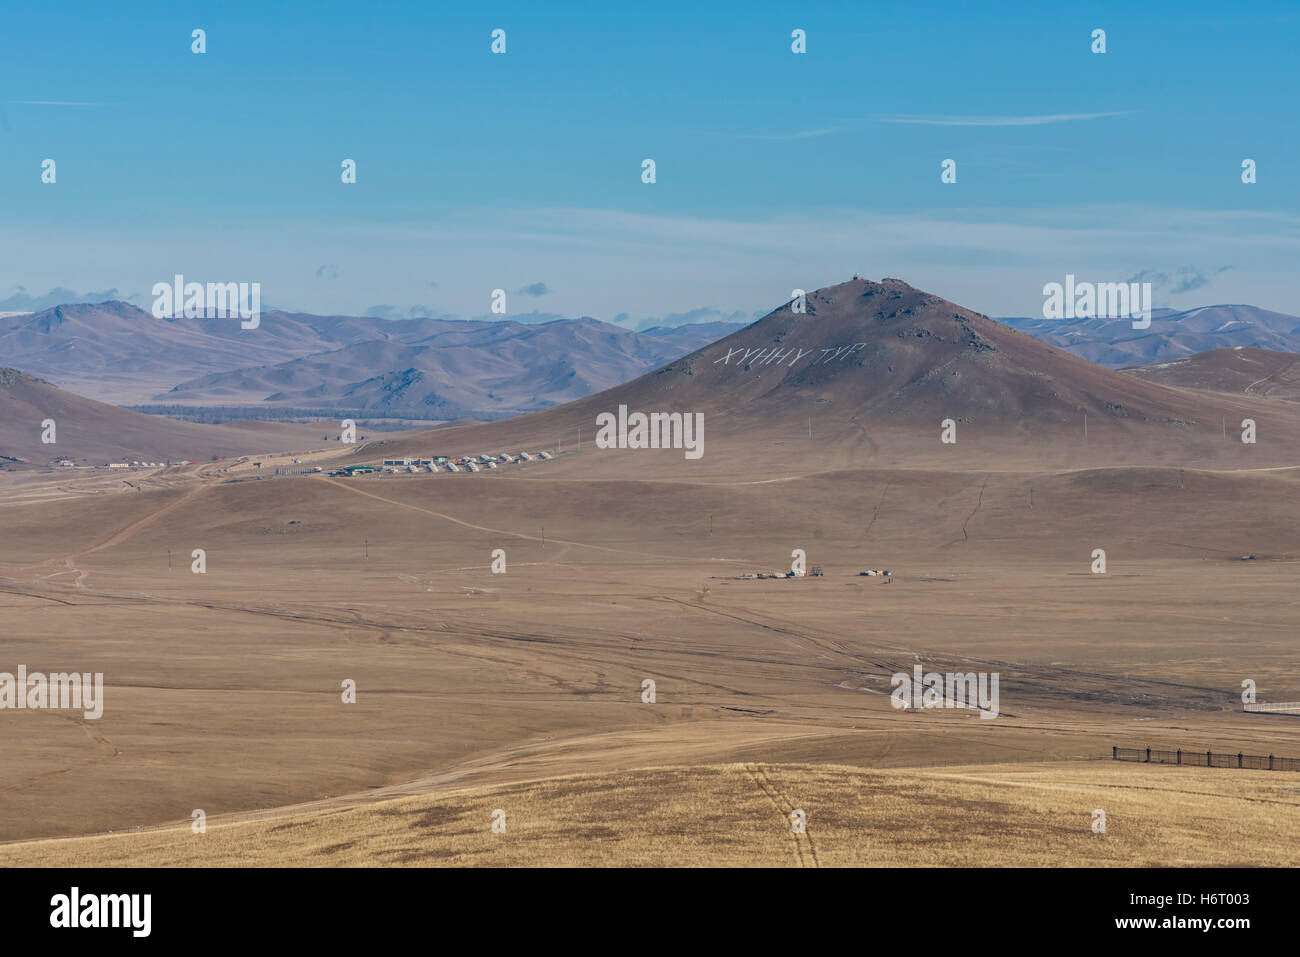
[{"x": 1038, "y": 814}]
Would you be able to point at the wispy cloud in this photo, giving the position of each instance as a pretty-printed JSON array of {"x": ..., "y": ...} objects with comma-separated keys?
[
  {"x": 21, "y": 301},
  {"x": 1041, "y": 120},
  {"x": 1184, "y": 279},
  {"x": 792, "y": 135},
  {"x": 57, "y": 103},
  {"x": 994, "y": 258}
]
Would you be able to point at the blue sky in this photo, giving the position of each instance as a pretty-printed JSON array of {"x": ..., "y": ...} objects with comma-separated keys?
[{"x": 522, "y": 171}]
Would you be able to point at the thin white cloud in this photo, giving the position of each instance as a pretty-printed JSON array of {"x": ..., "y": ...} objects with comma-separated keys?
[
  {"x": 793, "y": 135},
  {"x": 57, "y": 103},
  {"x": 1041, "y": 120},
  {"x": 994, "y": 259}
]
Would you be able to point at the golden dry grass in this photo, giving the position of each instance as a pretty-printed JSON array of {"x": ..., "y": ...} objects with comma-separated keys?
[
  {"x": 738, "y": 815},
  {"x": 222, "y": 689}
]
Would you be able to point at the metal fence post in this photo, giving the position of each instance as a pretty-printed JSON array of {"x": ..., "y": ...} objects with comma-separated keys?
[
  {"x": 1209, "y": 759},
  {"x": 1114, "y": 752},
  {"x": 1270, "y": 762},
  {"x": 1180, "y": 755},
  {"x": 1148, "y": 755},
  {"x": 1239, "y": 759}
]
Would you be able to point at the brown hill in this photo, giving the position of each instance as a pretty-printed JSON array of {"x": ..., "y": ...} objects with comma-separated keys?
[
  {"x": 868, "y": 372},
  {"x": 1240, "y": 371},
  {"x": 93, "y": 433}
]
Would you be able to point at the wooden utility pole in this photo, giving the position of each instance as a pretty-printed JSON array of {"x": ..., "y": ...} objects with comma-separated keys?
[
  {"x": 367, "y": 544},
  {"x": 710, "y": 525},
  {"x": 1085, "y": 426},
  {"x": 169, "y": 558}
]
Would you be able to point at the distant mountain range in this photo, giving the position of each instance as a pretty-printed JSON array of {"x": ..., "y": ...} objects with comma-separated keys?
[
  {"x": 873, "y": 370},
  {"x": 448, "y": 369},
  {"x": 480, "y": 370},
  {"x": 429, "y": 368},
  {"x": 1172, "y": 335}
]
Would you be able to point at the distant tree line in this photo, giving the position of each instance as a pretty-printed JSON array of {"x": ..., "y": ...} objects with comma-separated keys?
[{"x": 216, "y": 414}]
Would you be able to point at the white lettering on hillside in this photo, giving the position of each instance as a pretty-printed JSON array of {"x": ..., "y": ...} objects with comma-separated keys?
[{"x": 746, "y": 357}]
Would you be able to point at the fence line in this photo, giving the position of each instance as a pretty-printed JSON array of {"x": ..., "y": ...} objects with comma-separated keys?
[{"x": 1206, "y": 759}]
